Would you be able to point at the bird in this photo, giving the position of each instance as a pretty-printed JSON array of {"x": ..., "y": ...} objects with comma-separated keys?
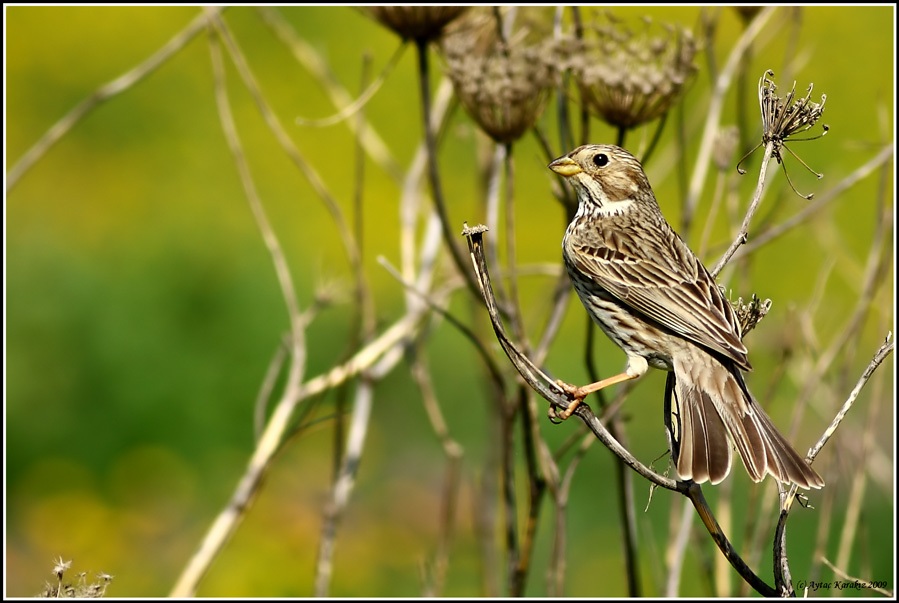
[{"x": 650, "y": 294}]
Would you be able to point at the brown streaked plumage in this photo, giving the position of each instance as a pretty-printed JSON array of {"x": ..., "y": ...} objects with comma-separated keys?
[{"x": 650, "y": 294}]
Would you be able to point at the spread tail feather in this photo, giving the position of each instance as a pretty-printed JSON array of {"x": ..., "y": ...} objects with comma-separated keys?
[{"x": 711, "y": 408}]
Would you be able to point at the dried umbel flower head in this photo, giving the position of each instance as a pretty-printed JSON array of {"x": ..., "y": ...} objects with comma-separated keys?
[
  {"x": 750, "y": 314},
  {"x": 628, "y": 78},
  {"x": 785, "y": 117},
  {"x": 416, "y": 22},
  {"x": 503, "y": 84},
  {"x": 79, "y": 589}
]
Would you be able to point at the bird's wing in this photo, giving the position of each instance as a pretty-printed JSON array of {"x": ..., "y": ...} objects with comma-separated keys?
[{"x": 673, "y": 289}]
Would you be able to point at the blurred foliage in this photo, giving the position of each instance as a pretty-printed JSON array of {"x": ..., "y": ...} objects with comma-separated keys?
[{"x": 142, "y": 309}]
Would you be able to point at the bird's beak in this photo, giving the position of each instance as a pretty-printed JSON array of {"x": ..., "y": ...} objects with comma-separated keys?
[{"x": 565, "y": 166}]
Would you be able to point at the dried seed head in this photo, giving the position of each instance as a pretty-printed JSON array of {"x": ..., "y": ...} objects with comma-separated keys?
[
  {"x": 415, "y": 22},
  {"x": 786, "y": 117},
  {"x": 750, "y": 314},
  {"x": 502, "y": 84},
  {"x": 628, "y": 78},
  {"x": 81, "y": 589},
  {"x": 782, "y": 118},
  {"x": 60, "y": 567}
]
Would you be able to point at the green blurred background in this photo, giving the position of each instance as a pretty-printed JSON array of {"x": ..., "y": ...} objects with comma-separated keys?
[{"x": 142, "y": 309}]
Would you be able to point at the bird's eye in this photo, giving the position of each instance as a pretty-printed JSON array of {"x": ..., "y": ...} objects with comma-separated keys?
[{"x": 600, "y": 160}]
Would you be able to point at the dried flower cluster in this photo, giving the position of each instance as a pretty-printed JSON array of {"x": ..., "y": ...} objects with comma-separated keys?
[
  {"x": 503, "y": 84},
  {"x": 80, "y": 589},
  {"x": 628, "y": 78},
  {"x": 785, "y": 117},
  {"x": 416, "y": 22},
  {"x": 751, "y": 313},
  {"x": 782, "y": 118}
]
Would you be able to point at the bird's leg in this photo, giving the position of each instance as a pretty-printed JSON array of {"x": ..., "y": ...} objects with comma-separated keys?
[
  {"x": 636, "y": 367},
  {"x": 582, "y": 392}
]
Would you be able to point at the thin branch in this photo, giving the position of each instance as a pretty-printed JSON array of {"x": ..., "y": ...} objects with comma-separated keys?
[
  {"x": 716, "y": 105},
  {"x": 268, "y": 385},
  {"x": 780, "y": 561},
  {"x": 885, "y": 349},
  {"x": 433, "y": 171},
  {"x": 813, "y": 209},
  {"x": 309, "y": 58},
  {"x": 385, "y": 346},
  {"x": 285, "y": 280},
  {"x": 450, "y": 494},
  {"x": 292, "y": 151},
  {"x": 743, "y": 235},
  {"x": 357, "y": 105},
  {"x": 677, "y": 551},
  {"x": 887, "y": 593},
  {"x": 556, "y": 573},
  {"x": 343, "y": 486}
]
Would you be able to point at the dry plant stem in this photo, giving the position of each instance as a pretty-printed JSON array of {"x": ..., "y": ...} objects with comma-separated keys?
[
  {"x": 623, "y": 480},
  {"x": 268, "y": 385},
  {"x": 717, "y": 200},
  {"x": 492, "y": 368},
  {"x": 343, "y": 486},
  {"x": 585, "y": 114},
  {"x": 536, "y": 483},
  {"x": 562, "y": 116},
  {"x": 879, "y": 258},
  {"x": 309, "y": 58},
  {"x": 716, "y": 105},
  {"x": 781, "y": 569},
  {"x": 627, "y": 511},
  {"x": 744, "y": 92},
  {"x": 450, "y": 494},
  {"x": 885, "y": 349},
  {"x": 390, "y": 341},
  {"x": 411, "y": 201},
  {"x": 359, "y": 103},
  {"x": 694, "y": 493},
  {"x": 561, "y": 295},
  {"x": 676, "y": 551},
  {"x": 826, "y": 510},
  {"x": 291, "y": 149},
  {"x": 511, "y": 262},
  {"x": 556, "y": 573},
  {"x": 850, "y": 520},
  {"x": 346, "y": 460},
  {"x": 507, "y": 464},
  {"x": 364, "y": 299},
  {"x": 558, "y": 399},
  {"x": 288, "y": 291},
  {"x": 494, "y": 181},
  {"x": 105, "y": 92},
  {"x": 624, "y": 485},
  {"x": 753, "y": 206},
  {"x": 536, "y": 488},
  {"x": 843, "y": 575},
  {"x": 813, "y": 208},
  {"x": 271, "y": 437},
  {"x": 433, "y": 171},
  {"x": 654, "y": 141}
]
